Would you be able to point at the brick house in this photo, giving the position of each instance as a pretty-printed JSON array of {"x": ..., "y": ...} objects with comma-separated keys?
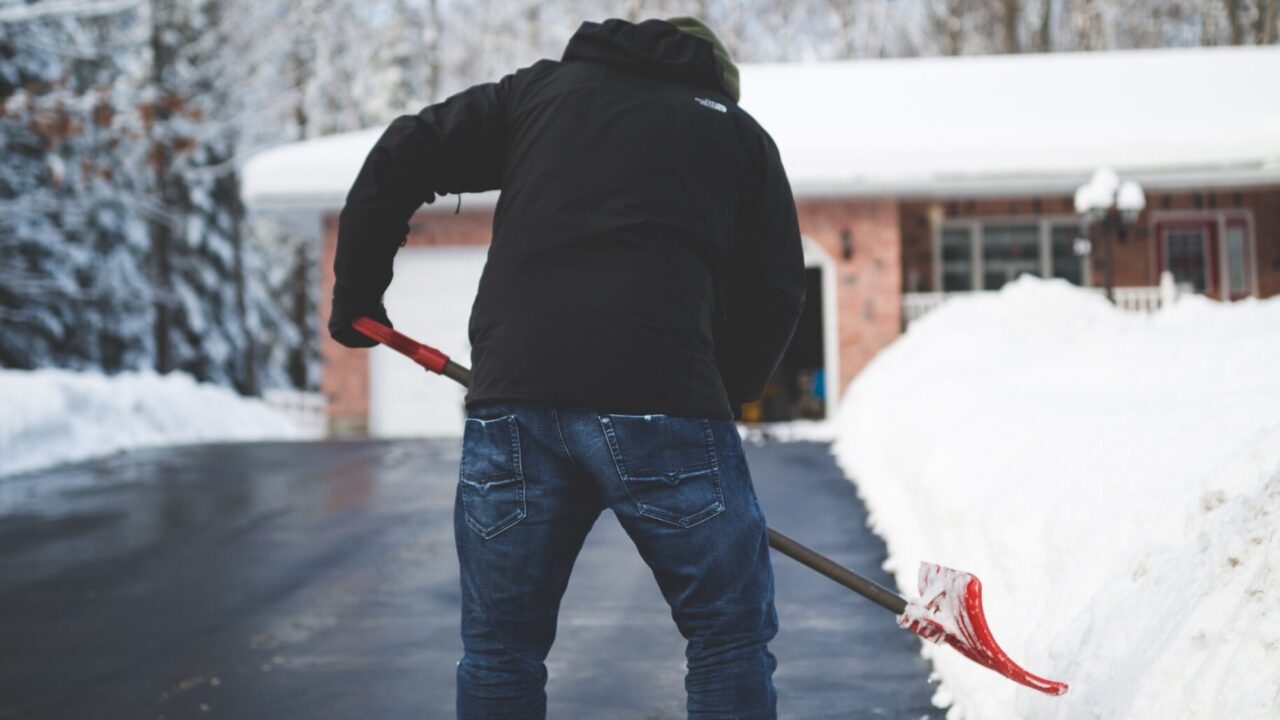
[{"x": 915, "y": 179}]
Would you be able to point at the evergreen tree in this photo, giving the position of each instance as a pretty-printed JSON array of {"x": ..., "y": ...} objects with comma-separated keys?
[{"x": 71, "y": 244}]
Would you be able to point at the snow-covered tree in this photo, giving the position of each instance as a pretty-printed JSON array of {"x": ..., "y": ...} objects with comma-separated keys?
[
  {"x": 122, "y": 243},
  {"x": 72, "y": 247}
]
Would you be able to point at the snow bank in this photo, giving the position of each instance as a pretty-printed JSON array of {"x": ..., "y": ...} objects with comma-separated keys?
[
  {"x": 1113, "y": 479},
  {"x": 54, "y": 416}
]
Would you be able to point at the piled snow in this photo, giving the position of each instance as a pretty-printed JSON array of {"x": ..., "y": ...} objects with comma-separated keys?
[
  {"x": 1113, "y": 479},
  {"x": 53, "y": 416}
]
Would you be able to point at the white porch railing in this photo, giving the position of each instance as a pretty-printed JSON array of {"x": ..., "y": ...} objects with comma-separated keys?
[
  {"x": 1136, "y": 299},
  {"x": 305, "y": 409},
  {"x": 1139, "y": 299},
  {"x": 916, "y": 305}
]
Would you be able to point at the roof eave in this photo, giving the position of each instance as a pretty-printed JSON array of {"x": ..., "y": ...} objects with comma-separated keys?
[
  {"x": 976, "y": 186},
  {"x": 1026, "y": 185}
]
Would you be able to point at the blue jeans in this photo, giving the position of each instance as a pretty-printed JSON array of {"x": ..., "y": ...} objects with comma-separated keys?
[{"x": 533, "y": 479}]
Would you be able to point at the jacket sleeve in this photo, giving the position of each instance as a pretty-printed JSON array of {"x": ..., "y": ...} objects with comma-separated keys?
[
  {"x": 458, "y": 145},
  {"x": 765, "y": 284}
]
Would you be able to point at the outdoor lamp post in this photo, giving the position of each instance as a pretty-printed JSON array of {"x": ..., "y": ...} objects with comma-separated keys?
[
  {"x": 1130, "y": 201},
  {"x": 1114, "y": 206}
]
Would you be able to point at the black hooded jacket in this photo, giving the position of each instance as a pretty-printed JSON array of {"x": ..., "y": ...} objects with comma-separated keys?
[{"x": 646, "y": 256}]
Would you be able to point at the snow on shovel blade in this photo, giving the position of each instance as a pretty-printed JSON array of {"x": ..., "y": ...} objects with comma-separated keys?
[{"x": 949, "y": 610}]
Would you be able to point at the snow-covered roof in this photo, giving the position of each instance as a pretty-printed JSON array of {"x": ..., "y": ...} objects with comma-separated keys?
[{"x": 1008, "y": 124}]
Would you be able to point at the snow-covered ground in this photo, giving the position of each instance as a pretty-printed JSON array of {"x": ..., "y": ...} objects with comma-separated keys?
[
  {"x": 1114, "y": 480},
  {"x": 54, "y": 416},
  {"x": 790, "y": 431}
]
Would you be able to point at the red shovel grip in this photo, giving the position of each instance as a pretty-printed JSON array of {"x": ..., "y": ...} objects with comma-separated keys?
[{"x": 425, "y": 355}]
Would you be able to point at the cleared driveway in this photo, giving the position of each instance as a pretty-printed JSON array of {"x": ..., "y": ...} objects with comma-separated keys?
[{"x": 319, "y": 581}]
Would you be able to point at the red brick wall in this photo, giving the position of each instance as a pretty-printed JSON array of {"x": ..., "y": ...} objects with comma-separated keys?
[
  {"x": 469, "y": 227},
  {"x": 917, "y": 246},
  {"x": 1266, "y": 235},
  {"x": 869, "y": 286},
  {"x": 345, "y": 377}
]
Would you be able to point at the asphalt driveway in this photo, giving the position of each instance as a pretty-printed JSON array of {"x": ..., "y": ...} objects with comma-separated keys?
[{"x": 319, "y": 581}]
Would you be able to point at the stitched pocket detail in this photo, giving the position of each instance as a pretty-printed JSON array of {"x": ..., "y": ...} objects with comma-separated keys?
[
  {"x": 490, "y": 476},
  {"x": 668, "y": 466}
]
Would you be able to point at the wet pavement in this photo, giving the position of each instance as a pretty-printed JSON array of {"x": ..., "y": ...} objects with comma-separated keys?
[{"x": 318, "y": 581}]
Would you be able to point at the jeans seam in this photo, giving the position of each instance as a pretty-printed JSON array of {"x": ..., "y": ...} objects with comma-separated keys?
[
  {"x": 610, "y": 441},
  {"x": 555, "y": 417},
  {"x": 710, "y": 437},
  {"x": 615, "y": 452}
]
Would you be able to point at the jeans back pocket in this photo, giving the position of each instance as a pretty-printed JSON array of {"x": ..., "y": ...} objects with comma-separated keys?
[
  {"x": 667, "y": 465},
  {"x": 491, "y": 478}
]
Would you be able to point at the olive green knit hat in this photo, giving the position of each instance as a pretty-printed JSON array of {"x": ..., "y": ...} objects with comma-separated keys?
[{"x": 697, "y": 28}]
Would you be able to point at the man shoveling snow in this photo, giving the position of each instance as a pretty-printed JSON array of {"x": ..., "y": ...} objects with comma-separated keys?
[{"x": 644, "y": 279}]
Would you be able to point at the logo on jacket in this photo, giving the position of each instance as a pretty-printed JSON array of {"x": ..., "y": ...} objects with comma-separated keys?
[{"x": 707, "y": 103}]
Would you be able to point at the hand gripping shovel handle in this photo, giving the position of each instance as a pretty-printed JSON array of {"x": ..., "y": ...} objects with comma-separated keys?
[
  {"x": 425, "y": 355},
  {"x": 952, "y": 614}
]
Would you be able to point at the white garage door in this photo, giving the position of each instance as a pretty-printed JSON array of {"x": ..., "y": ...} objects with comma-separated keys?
[{"x": 429, "y": 300}]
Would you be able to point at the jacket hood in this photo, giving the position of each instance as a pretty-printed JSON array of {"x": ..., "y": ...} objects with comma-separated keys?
[{"x": 655, "y": 47}]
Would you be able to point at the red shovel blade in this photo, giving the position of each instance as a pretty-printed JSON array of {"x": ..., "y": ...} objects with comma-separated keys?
[
  {"x": 425, "y": 355},
  {"x": 949, "y": 610}
]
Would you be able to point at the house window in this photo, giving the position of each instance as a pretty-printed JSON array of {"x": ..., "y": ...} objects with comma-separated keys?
[
  {"x": 1007, "y": 252},
  {"x": 1187, "y": 261},
  {"x": 987, "y": 255},
  {"x": 957, "y": 259}
]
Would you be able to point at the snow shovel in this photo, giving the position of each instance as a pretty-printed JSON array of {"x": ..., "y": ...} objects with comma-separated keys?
[{"x": 948, "y": 610}]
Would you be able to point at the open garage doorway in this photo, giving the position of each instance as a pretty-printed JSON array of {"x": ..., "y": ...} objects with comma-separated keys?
[{"x": 804, "y": 386}]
